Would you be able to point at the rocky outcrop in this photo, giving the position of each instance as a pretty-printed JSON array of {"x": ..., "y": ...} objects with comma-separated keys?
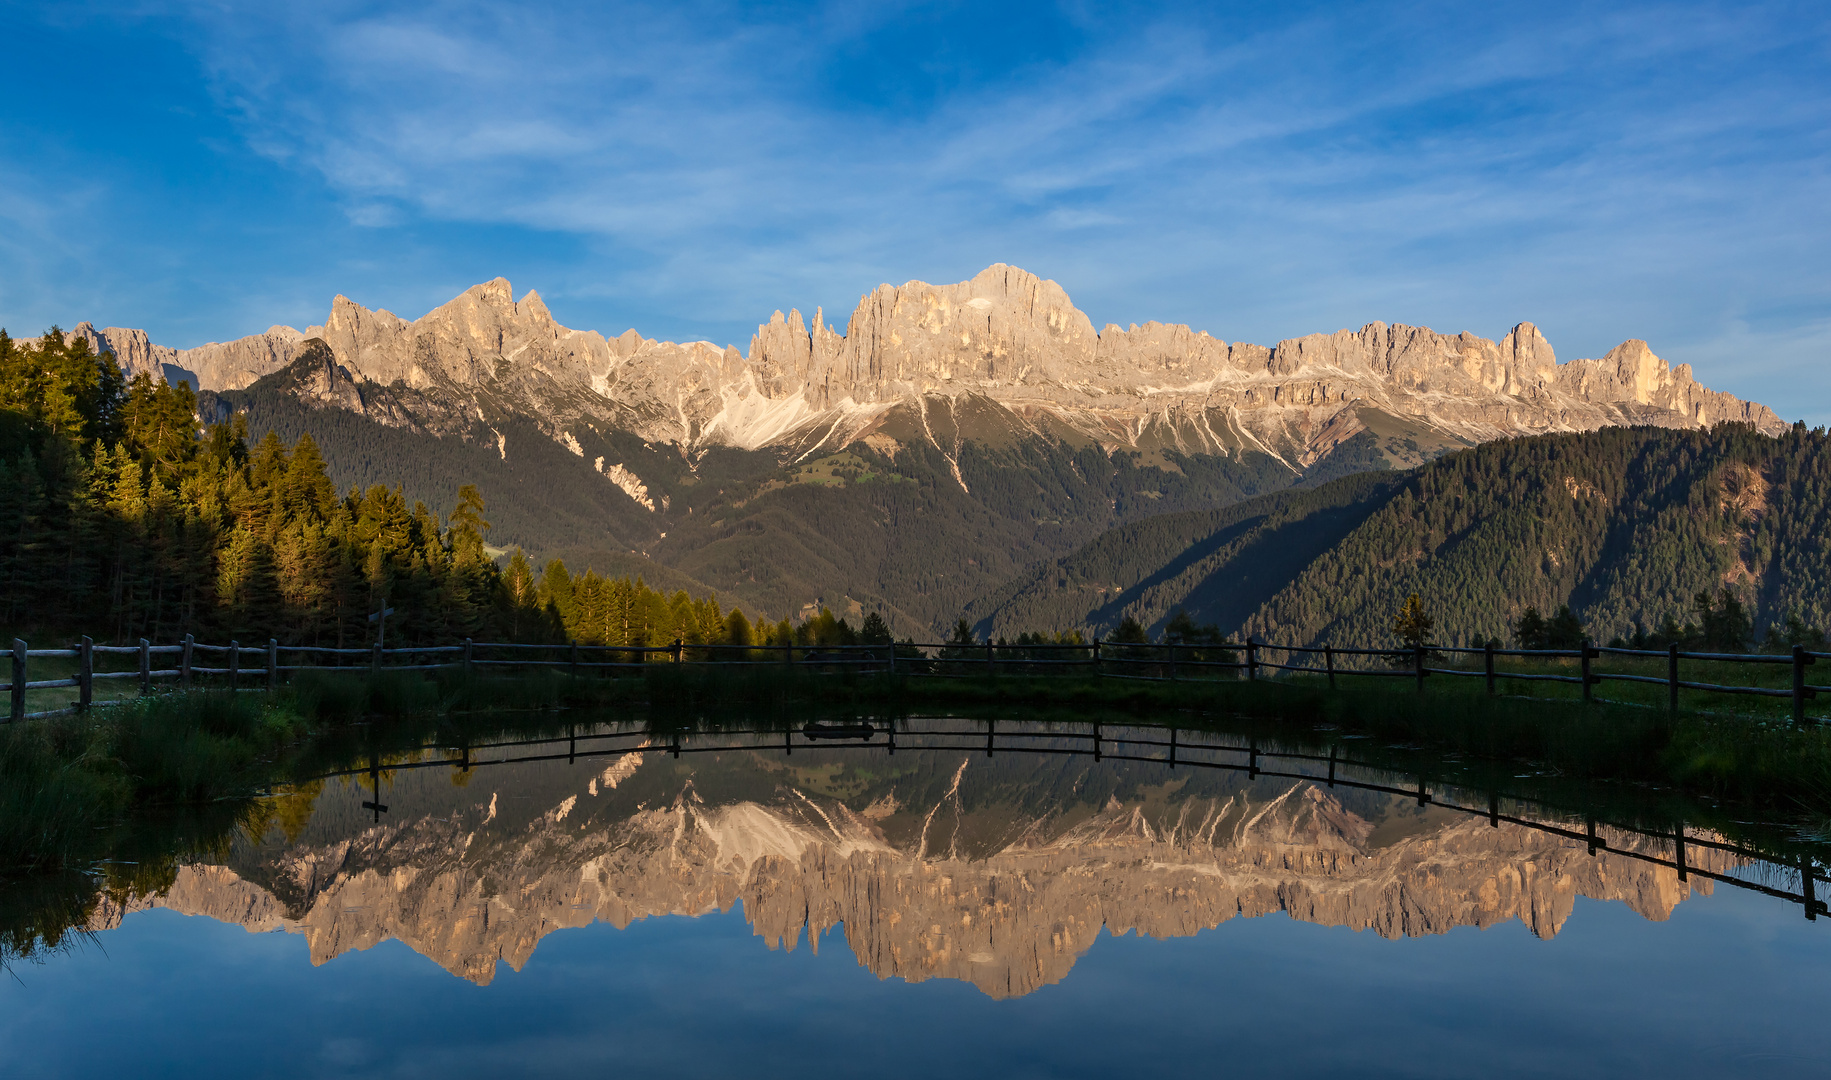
[
  {"x": 237, "y": 364},
  {"x": 469, "y": 890},
  {"x": 1005, "y": 336},
  {"x": 132, "y": 351},
  {"x": 215, "y": 366}
]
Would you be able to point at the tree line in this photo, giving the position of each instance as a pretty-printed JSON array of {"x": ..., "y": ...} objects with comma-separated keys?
[{"x": 123, "y": 516}]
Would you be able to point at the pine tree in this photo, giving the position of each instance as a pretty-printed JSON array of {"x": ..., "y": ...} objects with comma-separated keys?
[
  {"x": 1531, "y": 632},
  {"x": 1129, "y": 632},
  {"x": 1412, "y": 624},
  {"x": 1565, "y": 631}
]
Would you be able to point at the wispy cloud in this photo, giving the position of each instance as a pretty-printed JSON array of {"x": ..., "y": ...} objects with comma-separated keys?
[{"x": 1646, "y": 170}]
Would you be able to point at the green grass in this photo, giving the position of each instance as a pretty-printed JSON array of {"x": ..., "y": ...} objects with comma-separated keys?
[{"x": 65, "y": 780}]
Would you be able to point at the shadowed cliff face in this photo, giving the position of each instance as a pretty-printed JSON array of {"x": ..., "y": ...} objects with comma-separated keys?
[{"x": 998, "y": 871}]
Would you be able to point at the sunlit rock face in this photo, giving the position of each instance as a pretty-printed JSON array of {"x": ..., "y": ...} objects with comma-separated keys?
[
  {"x": 996, "y": 873},
  {"x": 1005, "y": 337}
]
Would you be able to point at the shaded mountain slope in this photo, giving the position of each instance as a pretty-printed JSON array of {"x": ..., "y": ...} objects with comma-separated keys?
[
  {"x": 1626, "y": 525},
  {"x": 945, "y": 499},
  {"x": 1223, "y": 563}
]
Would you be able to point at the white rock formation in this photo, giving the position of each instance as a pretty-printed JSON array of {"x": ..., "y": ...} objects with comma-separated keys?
[{"x": 1006, "y": 336}]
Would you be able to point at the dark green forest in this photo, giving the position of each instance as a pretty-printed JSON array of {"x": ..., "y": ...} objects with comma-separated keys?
[
  {"x": 122, "y": 516},
  {"x": 1626, "y": 526}
]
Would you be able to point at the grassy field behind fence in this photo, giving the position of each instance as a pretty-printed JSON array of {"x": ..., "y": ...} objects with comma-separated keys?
[{"x": 1517, "y": 675}]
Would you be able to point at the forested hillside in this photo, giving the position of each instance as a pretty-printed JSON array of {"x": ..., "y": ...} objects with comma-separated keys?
[
  {"x": 543, "y": 499},
  {"x": 1626, "y": 525},
  {"x": 121, "y": 517},
  {"x": 1221, "y": 563},
  {"x": 891, "y": 524}
]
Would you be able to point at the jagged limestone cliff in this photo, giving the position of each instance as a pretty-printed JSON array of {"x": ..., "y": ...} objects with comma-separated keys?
[{"x": 1006, "y": 336}]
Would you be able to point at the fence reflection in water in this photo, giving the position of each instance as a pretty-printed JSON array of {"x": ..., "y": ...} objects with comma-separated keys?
[{"x": 1131, "y": 742}]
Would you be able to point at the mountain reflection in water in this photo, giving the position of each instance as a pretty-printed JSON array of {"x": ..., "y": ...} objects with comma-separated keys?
[{"x": 939, "y": 860}]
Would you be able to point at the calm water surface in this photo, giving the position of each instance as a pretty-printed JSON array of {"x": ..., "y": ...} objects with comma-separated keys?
[{"x": 928, "y": 911}]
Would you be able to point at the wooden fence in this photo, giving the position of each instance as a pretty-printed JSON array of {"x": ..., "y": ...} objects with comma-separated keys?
[{"x": 262, "y": 664}]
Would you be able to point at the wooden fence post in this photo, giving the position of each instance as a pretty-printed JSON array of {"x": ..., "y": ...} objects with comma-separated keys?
[
  {"x": 1672, "y": 683},
  {"x": 990, "y": 669},
  {"x": 146, "y": 666},
  {"x": 1096, "y": 656},
  {"x": 469, "y": 659},
  {"x": 1252, "y": 659},
  {"x": 572, "y": 660},
  {"x": 679, "y": 647},
  {"x": 273, "y": 664},
  {"x": 1328, "y": 658},
  {"x": 1173, "y": 649},
  {"x": 235, "y": 663},
  {"x": 1588, "y": 653},
  {"x": 1488, "y": 661},
  {"x": 85, "y": 674},
  {"x": 1418, "y": 664},
  {"x": 375, "y": 658},
  {"x": 184, "y": 661},
  {"x": 19, "y": 650},
  {"x": 1800, "y": 660}
]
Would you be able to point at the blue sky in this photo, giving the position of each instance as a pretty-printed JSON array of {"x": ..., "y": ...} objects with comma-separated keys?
[{"x": 1258, "y": 171}]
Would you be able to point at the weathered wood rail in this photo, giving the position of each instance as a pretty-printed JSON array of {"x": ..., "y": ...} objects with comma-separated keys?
[{"x": 262, "y": 664}]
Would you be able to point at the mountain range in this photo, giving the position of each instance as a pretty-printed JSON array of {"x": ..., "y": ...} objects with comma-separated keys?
[
  {"x": 952, "y": 438},
  {"x": 1005, "y": 335}
]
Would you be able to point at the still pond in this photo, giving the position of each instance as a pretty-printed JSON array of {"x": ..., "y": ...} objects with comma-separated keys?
[{"x": 959, "y": 899}]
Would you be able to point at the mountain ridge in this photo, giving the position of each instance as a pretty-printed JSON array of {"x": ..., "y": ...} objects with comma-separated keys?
[{"x": 1004, "y": 334}]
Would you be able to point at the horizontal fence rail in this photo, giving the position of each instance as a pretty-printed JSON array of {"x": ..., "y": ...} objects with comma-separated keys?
[{"x": 261, "y": 666}]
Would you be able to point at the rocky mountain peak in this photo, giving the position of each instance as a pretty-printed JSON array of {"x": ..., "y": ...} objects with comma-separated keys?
[{"x": 1004, "y": 335}]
